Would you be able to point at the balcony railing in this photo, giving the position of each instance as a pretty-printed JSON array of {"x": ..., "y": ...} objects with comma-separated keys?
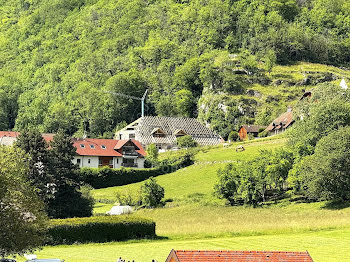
[
  {"x": 129, "y": 165},
  {"x": 130, "y": 153}
]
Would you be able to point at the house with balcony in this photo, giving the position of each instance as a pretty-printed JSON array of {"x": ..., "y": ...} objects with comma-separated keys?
[{"x": 96, "y": 153}]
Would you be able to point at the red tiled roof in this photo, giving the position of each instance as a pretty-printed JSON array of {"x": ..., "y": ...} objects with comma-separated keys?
[
  {"x": 286, "y": 119},
  {"x": 237, "y": 256},
  {"x": 110, "y": 147},
  {"x": 97, "y": 149},
  {"x": 47, "y": 136},
  {"x": 9, "y": 133}
]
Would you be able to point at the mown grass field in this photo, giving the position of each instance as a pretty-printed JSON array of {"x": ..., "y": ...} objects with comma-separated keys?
[{"x": 323, "y": 246}]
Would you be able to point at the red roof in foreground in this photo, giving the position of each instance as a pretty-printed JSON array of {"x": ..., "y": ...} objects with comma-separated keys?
[
  {"x": 237, "y": 256},
  {"x": 102, "y": 147}
]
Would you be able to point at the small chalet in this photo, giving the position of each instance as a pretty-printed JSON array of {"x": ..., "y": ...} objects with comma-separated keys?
[
  {"x": 163, "y": 131},
  {"x": 237, "y": 256},
  {"x": 245, "y": 130},
  {"x": 281, "y": 123},
  {"x": 109, "y": 152}
]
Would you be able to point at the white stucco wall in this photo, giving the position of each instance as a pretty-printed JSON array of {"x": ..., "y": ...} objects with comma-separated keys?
[
  {"x": 84, "y": 161},
  {"x": 117, "y": 161}
]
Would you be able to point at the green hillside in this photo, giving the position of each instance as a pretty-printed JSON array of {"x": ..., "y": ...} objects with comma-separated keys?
[
  {"x": 196, "y": 181},
  {"x": 216, "y": 59}
]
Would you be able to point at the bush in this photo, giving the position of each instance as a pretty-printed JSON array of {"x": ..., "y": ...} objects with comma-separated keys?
[
  {"x": 151, "y": 193},
  {"x": 128, "y": 198},
  {"x": 99, "y": 229},
  {"x": 108, "y": 177},
  {"x": 186, "y": 141},
  {"x": 233, "y": 136}
]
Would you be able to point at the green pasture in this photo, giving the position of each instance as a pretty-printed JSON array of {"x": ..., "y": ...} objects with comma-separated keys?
[
  {"x": 324, "y": 246},
  {"x": 194, "y": 183}
]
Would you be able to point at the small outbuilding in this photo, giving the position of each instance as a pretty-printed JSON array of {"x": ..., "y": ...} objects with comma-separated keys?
[
  {"x": 237, "y": 256},
  {"x": 246, "y": 130}
]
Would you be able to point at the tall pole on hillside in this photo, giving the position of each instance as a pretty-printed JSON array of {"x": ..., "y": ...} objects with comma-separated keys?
[{"x": 142, "y": 99}]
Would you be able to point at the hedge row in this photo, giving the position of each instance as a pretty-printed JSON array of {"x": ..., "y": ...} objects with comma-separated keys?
[
  {"x": 99, "y": 229},
  {"x": 108, "y": 177}
]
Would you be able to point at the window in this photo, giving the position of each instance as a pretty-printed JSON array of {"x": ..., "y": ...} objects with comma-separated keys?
[
  {"x": 103, "y": 146},
  {"x": 117, "y": 160},
  {"x": 89, "y": 161},
  {"x": 131, "y": 136},
  {"x": 78, "y": 161},
  {"x": 92, "y": 146},
  {"x": 100, "y": 162},
  {"x": 111, "y": 162},
  {"x": 82, "y": 145}
]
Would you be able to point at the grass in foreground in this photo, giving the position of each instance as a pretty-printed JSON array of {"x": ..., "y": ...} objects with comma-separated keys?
[{"x": 323, "y": 246}]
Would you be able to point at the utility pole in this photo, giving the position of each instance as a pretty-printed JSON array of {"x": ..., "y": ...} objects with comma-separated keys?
[{"x": 142, "y": 99}]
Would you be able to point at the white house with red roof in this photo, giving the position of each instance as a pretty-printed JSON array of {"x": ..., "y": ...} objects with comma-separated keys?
[{"x": 93, "y": 152}]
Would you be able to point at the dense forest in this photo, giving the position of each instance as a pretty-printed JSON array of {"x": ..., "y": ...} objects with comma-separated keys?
[{"x": 61, "y": 59}]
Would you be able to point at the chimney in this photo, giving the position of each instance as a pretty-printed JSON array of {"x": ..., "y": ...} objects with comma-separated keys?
[{"x": 289, "y": 109}]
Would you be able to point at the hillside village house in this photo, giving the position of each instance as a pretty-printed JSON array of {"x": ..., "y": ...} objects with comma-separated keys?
[
  {"x": 96, "y": 152},
  {"x": 237, "y": 256},
  {"x": 246, "y": 130},
  {"x": 281, "y": 123},
  {"x": 163, "y": 131}
]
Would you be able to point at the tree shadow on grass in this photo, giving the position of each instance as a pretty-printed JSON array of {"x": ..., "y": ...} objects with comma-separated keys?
[{"x": 336, "y": 205}]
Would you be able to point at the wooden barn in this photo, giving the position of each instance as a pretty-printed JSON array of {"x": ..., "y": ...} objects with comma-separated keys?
[
  {"x": 237, "y": 256},
  {"x": 245, "y": 130}
]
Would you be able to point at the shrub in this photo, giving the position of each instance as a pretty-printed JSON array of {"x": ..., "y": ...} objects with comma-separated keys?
[
  {"x": 151, "y": 193},
  {"x": 128, "y": 198},
  {"x": 186, "y": 141},
  {"x": 233, "y": 136},
  {"x": 108, "y": 177},
  {"x": 99, "y": 229}
]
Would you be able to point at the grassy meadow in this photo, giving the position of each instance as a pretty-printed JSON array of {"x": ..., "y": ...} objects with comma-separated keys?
[
  {"x": 194, "y": 218},
  {"x": 324, "y": 246}
]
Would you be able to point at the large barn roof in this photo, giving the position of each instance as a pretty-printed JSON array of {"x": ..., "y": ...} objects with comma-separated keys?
[
  {"x": 283, "y": 121},
  {"x": 237, "y": 256},
  {"x": 170, "y": 126}
]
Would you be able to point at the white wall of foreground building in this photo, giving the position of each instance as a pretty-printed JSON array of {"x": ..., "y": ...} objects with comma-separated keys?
[
  {"x": 86, "y": 161},
  {"x": 93, "y": 161}
]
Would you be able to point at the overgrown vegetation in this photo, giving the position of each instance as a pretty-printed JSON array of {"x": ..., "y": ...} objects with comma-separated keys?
[{"x": 22, "y": 216}]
